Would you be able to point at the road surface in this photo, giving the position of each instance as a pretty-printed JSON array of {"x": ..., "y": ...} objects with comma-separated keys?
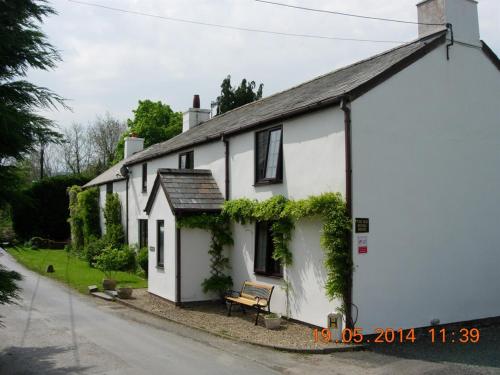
[{"x": 55, "y": 330}]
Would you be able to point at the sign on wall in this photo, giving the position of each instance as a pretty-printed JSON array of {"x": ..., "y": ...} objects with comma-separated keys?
[
  {"x": 362, "y": 244},
  {"x": 362, "y": 225}
]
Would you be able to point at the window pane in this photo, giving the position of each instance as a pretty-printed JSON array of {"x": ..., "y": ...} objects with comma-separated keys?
[
  {"x": 144, "y": 177},
  {"x": 261, "y": 247},
  {"x": 143, "y": 233},
  {"x": 161, "y": 242},
  {"x": 261, "y": 143},
  {"x": 182, "y": 164},
  {"x": 273, "y": 153}
]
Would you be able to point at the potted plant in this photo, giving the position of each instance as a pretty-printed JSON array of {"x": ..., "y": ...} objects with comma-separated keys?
[
  {"x": 108, "y": 262},
  {"x": 124, "y": 292},
  {"x": 272, "y": 321}
]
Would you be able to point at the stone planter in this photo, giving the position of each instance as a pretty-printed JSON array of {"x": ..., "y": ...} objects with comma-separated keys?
[
  {"x": 108, "y": 284},
  {"x": 124, "y": 293},
  {"x": 272, "y": 322}
]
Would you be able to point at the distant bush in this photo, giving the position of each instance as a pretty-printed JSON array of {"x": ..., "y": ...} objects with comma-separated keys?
[
  {"x": 142, "y": 259},
  {"x": 41, "y": 210}
]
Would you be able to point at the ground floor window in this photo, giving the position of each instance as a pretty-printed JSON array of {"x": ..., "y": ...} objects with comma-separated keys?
[
  {"x": 143, "y": 233},
  {"x": 264, "y": 263},
  {"x": 160, "y": 242}
]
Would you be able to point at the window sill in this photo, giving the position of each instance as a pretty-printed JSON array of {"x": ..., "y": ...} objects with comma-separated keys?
[
  {"x": 268, "y": 182},
  {"x": 270, "y": 275}
]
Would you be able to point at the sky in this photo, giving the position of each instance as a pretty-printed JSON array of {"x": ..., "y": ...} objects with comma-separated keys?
[{"x": 111, "y": 60}]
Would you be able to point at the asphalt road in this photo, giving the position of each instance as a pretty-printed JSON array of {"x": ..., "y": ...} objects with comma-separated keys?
[{"x": 54, "y": 330}]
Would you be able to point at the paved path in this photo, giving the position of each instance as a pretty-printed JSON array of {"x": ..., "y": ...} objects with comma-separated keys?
[{"x": 57, "y": 331}]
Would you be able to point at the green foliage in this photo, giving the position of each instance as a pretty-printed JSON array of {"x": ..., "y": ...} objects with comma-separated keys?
[
  {"x": 74, "y": 220},
  {"x": 115, "y": 259},
  {"x": 231, "y": 98},
  {"x": 143, "y": 259},
  {"x": 218, "y": 226},
  {"x": 9, "y": 290},
  {"x": 154, "y": 121},
  {"x": 42, "y": 208},
  {"x": 93, "y": 248},
  {"x": 112, "y": 216},
  {"x": 88, "y": 210},
  {"x": 329, "y": 207},
  {"x": 7, "y": 233},
  {"x": 23, "y": 47}
]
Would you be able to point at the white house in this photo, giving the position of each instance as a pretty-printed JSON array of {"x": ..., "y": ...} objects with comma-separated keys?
[{"x": 410, "y": 138}]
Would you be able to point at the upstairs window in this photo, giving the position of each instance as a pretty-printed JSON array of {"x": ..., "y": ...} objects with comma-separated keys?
[
  {"x": 145, "y": 178},
  {"x": 109, "y": 188},
  {"x": 186, "y": 160},
  {"x": 264, "y": 263},
  {"x": 269, "y": 155}
]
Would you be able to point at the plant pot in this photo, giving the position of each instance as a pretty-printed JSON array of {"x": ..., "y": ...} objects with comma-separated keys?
[
  {"x": 272, "y": 323},
  {"x": 108, "y": 284},
  {"x": 124, "y": 293}
]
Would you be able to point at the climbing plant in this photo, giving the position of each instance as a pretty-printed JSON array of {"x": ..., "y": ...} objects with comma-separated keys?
[
  {"x": 218, "y": 226},
  {"x": 75, "y": 220},
  {"x": 88, "y": 210},
  {"x": 330, "y": 208},
  {"x": 112, "y": 217}
]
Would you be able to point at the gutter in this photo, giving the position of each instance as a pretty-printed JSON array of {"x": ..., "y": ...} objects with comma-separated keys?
[{"x": 345, "y": 106}]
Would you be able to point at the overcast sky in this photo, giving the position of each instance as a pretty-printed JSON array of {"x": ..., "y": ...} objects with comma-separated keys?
[{"x": 111, "y": 60}]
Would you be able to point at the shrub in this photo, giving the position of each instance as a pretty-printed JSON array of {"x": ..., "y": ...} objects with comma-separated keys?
[
  {"x": 75, "y": 220},
  {"x": 142, "y": 259},
  {"x": 94, "y": 247},
  {"x": 128, "y": 258},
  {"x": 115, "y": 259}
]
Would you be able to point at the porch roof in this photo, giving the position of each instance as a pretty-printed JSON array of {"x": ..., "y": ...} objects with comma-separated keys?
[{"x": 187, "y": 190}]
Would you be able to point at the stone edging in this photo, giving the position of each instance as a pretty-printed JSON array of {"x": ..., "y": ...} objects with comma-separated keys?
[{"x": 345, "y": 348}]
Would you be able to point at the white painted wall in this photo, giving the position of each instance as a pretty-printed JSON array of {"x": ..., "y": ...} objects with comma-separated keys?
[
  {"x": 314, "y": 163},
  {"x": 161, "y": 281},
  {"x": 195, "y": 264},
  {"x": 426, "y": 151}
]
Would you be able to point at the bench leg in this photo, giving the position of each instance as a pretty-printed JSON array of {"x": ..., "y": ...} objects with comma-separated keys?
[
  {"x": 257, "y": 317},
  {"x": 229, "y": 309}
]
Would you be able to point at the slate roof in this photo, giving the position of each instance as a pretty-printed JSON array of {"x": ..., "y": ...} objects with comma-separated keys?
[
  {"x": 110, "y": 175},
  {"x": 321, "y": 91},
  {"x": 187, "y": 190}
]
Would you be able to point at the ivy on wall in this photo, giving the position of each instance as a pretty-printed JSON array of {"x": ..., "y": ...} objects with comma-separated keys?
[
  {"x": 74, "y": 220},
  {"x": 330, "y": 208},
  {"x": 112, "y": 217},
  {"x": 218, "y": 226},
  {"x": 84, "y": 216}
]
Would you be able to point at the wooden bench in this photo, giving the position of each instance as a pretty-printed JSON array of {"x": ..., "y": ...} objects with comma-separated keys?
[{"x": 257, "y": 296}]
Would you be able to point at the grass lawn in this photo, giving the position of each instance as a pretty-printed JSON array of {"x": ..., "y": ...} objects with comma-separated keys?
[{"x": 69, "y": 269}]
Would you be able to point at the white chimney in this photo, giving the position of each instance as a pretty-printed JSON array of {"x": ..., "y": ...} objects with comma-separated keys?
[
  {"x": 194, "y": 116},
  {"x": 461, "y": 14},
  {"x": 133, "y": 145}
]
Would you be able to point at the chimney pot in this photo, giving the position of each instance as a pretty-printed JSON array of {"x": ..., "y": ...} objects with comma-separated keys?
[{"x": 196, "y": 101}]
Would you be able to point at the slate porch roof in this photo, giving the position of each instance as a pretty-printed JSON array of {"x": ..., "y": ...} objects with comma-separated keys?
[{"x": 187, "y": 190}]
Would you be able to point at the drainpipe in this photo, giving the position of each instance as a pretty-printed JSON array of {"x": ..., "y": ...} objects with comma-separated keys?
[
  {"x": 178, "y": 266},
  {"x": 345, "y": 106},
  {"x": 126, "y": 209},
  {"x": 226, "y": 155}
]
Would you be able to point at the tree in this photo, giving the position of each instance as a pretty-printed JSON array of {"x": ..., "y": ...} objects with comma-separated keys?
[
  {"x": 105, "y": 134},
  {"x": 77, "y": 151},
  {"x": 23, "y": 46},
  {"x": 9, "y": 290},
  {"x": 231, "y": 98},
  {"x": 154, "y": 121}
]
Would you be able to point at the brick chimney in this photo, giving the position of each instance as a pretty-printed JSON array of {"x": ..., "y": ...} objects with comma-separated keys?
[
  {"x": 195, "y": 115},
  {"x": 462, "y": 14},
  {"x": 133, "y": 145}
]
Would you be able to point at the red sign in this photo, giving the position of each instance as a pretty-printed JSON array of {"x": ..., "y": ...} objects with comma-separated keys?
[
  {"x": 362, "y": 244},
  {"x": 362, "y": 249}
]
